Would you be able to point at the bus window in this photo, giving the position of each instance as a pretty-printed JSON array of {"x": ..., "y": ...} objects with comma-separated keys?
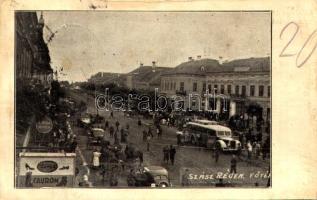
[
  {"x": 221, "y": 133},
  {"x": 228, "y": 133}
]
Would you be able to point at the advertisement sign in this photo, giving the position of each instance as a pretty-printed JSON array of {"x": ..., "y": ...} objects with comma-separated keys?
[
  {"x": 45, "y": 125},
  {"x": 46, "y": 169}
]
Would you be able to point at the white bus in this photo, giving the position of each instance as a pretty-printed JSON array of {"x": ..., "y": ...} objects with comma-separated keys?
[{"x": 210, "y": 136}]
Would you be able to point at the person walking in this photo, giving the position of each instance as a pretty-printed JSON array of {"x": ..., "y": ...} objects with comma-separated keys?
[
  {"x": 111, "y": 131},
  {"x": 95, "y": 160},
  {"x": 122, "y": 136},
  {"x": 216, "y": 155},
  {"x": 139, "y": 122},
  {"x": 144, "y": 135},
  {"x": 115, "y": 135},
  {"x": 257, "y": 150},
  {"x": 159, "y": 132},
  {"x": 249, "y": 149},
  {"x": 106, "y": 124},
  {"x": 150, "y": 132},
  {"x": 165, "y": 154},
  {"x": 179, "y": 139},
  {"x": 172, "y": 153},
  {"x": 233, "y": 164},
  {"x": 148, "y": 142},
  {"x": 111, "y": 114},
  {"x": 117, "y": 125}
]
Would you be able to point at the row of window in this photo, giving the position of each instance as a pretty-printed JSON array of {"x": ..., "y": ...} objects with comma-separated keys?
[
  {"x": 172, "y": 86},
  {"x": 237, "y": 90}
]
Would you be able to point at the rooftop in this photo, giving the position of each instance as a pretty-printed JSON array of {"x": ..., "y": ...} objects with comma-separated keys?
[{"x": 203, "y": 66}]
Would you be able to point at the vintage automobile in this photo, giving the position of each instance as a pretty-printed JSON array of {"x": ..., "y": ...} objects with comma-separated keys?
[
  {"x": 97, "y": 132},
  {"x": 150, "y": 176},
  {"x": 209, "y": 135},
  {"x": 85, "y": 121}
]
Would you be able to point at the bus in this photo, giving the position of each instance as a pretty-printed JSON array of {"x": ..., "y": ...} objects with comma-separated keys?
[{"x": 212, "y": 136}]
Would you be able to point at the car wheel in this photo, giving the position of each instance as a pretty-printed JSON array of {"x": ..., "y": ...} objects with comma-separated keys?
[
  {"x": 218, "y": 146},
  {"x": 163, "y": 185}
]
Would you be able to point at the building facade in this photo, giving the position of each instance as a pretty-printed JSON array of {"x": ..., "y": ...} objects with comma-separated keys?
[
  {"x": 32, "y": 58},
  {"x": 237, "y": 87},
  {"x": 145, "y": 77}
]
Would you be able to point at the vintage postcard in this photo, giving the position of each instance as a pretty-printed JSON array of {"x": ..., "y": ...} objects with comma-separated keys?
[{"x": 162, "y": 100}]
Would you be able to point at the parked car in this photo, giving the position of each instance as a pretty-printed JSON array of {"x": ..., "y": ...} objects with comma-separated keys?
[
  {"x": 85, "y": 121},
  {"x": 97, "y": 132},
  {"x": 150, "y": 176}
]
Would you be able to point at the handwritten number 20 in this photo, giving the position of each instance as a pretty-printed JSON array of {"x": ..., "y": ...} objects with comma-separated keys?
[{"x": 282, "y": 54}]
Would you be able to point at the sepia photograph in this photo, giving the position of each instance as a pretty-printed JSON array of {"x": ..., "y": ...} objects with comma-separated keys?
[{"x": 143, "y": 99}]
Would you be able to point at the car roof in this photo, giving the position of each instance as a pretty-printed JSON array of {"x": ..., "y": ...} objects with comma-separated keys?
[
  {"x": 213, "y": 127},
  {"x": 98, "y": 129},
  {"x": 156, "y": 170},
  {"x": 206, "y": 122}
]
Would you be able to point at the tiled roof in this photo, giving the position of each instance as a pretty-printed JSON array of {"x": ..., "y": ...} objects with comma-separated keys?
[
  {"x": 148, "y": 73},
  {"x": 249, "y": 64},
  {"x": 203, "y": 66}
]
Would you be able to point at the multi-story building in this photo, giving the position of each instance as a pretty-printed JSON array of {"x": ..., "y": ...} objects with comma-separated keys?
[
  {"x": 32, "y": 58},
  {"x": 237, "y": 87},
  {"x": 145, "y": 77}
]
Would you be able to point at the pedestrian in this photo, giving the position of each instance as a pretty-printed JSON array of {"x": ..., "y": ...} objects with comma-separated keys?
[
  {"x": 249, "y": 149},
  {"x": 165, "y": 154},
  {"x": 111, "y": 130},
  {"x": 216, "y": 154},
  {"x": 179, "y": 139},
  {"x": 115, "y": 135},
  {"x": 257, "y": 150},
  {"x": 148, "y": 142},
  {"x": 233, "y": 166},
  {"x": 259, "y": 137},
  {"x": 144, "y": 135},
  {"x": 73, "y": 145},
  {"x": 106, "y": 124},
  {"x": 239, "y": 151},
  {"x": 28, "y": 178},
  {"x": 158, "y": 132},
  {"x": 140, "y": 155},
  {"x": 122, "y": 135},
  {"x": 95, "y": 161},
  {"x": 185, "y": 178},
  {"x": 172, "y": 154},
  {"x": 113, "y": 179},
  {"x": 128, "y": 127},
  {"x": 139, "y": 122},
  {"x": 111, "y": 114},
  {"x": 150, "y": 132},
  {"x": 130, "y": 179},
  {"x": 117, "y": 125}
]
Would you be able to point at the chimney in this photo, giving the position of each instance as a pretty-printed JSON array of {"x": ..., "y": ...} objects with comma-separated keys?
[
  {"x": 153, "y": 63},
  {"x": 198, "y": 57}
]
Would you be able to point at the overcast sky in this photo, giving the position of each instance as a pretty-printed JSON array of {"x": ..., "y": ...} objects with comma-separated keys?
[{"x": 88, "y": 42}]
